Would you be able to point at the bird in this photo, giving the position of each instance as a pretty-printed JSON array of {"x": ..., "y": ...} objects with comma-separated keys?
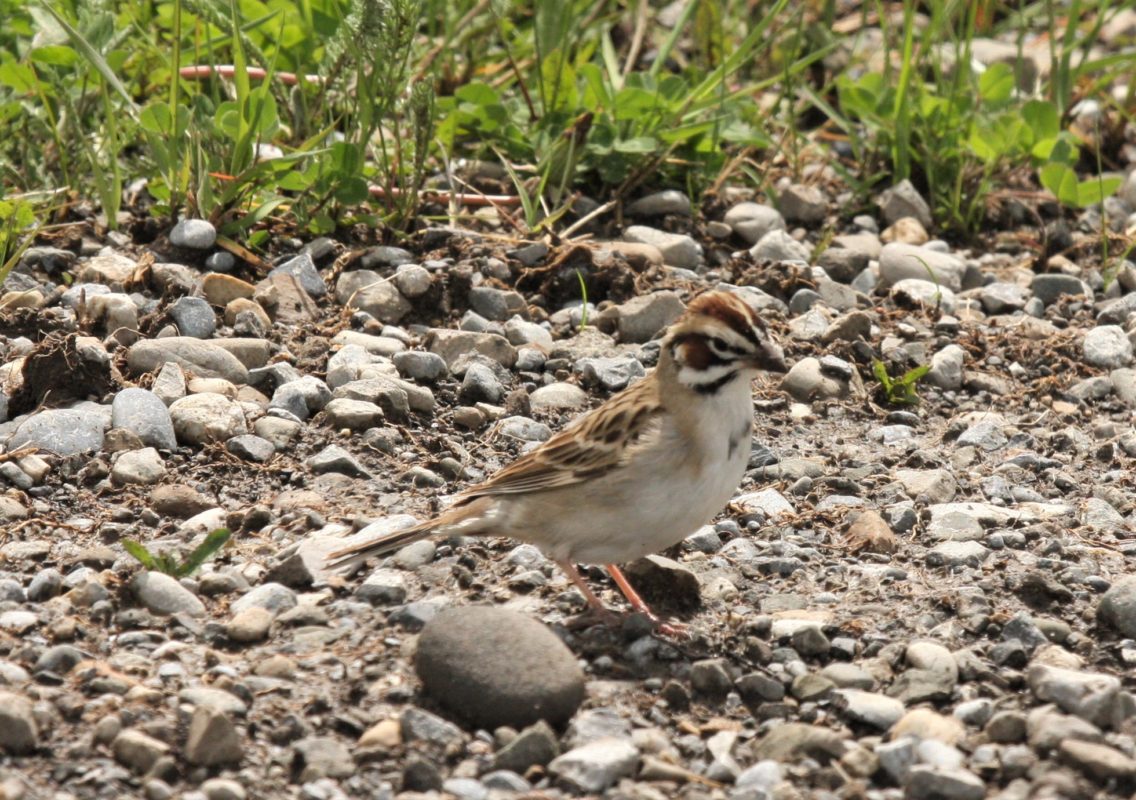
[{"x": 633, "y": 476}]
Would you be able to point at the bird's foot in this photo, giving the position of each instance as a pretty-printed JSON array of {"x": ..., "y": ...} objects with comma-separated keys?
[{"x": 675, "y": 630}]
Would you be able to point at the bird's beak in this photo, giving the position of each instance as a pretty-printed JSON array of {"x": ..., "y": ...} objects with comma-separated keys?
[{"x": 770, "y": 358}]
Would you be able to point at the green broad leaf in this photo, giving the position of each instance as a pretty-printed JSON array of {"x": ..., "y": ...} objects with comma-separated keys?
[
  {"x": 352, "y": 191},
  {"x": 227, "y": 120},
  {"x": 1095, "y": 190},
  {"x": 296, "y": 180},
  {"x": 996, "y": 84},
  {"x": 674, "y": 90},
  {"x": 1042, "y": 151},
  {"x": 1061, "y": 180},
  {"x": 16, "y": 215},
  {"x": 140, "y": 554},
  {"x": 982, "y": 143},
  {"x": 156, "y": 118},
  {"x": 631, "y": 103},
  {"x": 1065, "y": 149},
  {"x": 682, "y": 133},
  {"x": 262, "y": 114},
  {"x": 597, "y": 91},
  {"x": 255, "y": 216},
  {"x": 159, "y": 190},
  {"x": 480, "y": 94},
  {"x": 321, "y": 223},
  {"x": 346, "y": 159},
  {"x": 19, "y": 77},
  {"x": 58, "y": 55},
  {"x": 1042, "y": 118},
  {"x": 558, "y": 82},
  {"x": 637, "y": 146}
]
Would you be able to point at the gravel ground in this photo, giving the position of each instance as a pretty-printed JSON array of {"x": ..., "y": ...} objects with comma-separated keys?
[{"x": 934, "y": 600}]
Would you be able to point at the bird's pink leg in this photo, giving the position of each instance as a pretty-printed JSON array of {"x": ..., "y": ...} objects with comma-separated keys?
[
  {"x": 640, "y": 605},
  {"x": 594, "y": 603}
]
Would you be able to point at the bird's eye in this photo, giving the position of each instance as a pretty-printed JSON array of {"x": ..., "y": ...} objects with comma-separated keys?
[{"x": 719, "y": 345}]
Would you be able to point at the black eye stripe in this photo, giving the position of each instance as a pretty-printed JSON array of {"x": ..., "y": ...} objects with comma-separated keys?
[
  {"x": 713, "y": 386},
  {"x": 720, "y": 345}
]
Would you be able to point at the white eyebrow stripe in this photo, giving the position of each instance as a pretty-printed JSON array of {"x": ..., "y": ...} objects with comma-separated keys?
[{"x": 696, "y": 377}]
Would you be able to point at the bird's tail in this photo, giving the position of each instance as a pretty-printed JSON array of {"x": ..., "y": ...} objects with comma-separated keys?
[
  {"x": 347, "y": 559},
  {"x": 462, "y": 520}
]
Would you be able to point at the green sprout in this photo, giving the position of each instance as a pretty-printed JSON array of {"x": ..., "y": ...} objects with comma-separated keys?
[{"x": 164, "y": 562}]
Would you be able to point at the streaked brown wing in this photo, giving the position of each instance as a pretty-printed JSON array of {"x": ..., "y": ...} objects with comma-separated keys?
[{"x": 594, "y": 446}]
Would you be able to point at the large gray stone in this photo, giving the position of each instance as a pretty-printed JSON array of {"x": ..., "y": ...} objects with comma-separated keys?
[
  {"x": 205, "y": 418},
  {"x": 751, "y": 221},
  {"x": 642, "y": 317},
  {"x": 1090, "y": 695},
  {"x": 162, "y": 594},
  {"x": 1107, "y": 346},
  {"x": 495, "y": 667},
  {"x": 204, "y": 359},
  {"x": 303, "y": 269},
  {"x": 370, "y": 292},
  {"x": 63, "y": 431},
  {"x": 595, "y": 766},
  {"x": 452, "y": 345},
  {"x": 900, "y": 261},
  {"x": 1118, "y": 606},
  {"x": 18, "y": 731},
  {"x": 143, "y": 413}
]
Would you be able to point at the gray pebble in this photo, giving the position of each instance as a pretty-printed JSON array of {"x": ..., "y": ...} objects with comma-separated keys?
[
  {"x": 197, "y": 234},
  {"x": 221, "y": 261},
  {"x": 678, "y": 249},
  {"x": 194, "y": 317},
  {"x": 304, "y": 270},
  {"x": 613, "y": 373},
  {"x": 751, "y": 221},
  {"x": 273, "y": 597},
  {"x": 251, "y": 448},
  {"x": 143, "y": 413},
  {"x": 903, "y": 200},
  {"x": 496, "y": 304},
  {"x": 1107, "y": 346},
  {"x": 163, "y": 594},
  {"x": 480, "y": 385},
  {"x": 419, "y": 365},
  {"x": 412, "y": 281},
  {"x": 595, "y": 766},
  {"x": 658, "y": 204}
]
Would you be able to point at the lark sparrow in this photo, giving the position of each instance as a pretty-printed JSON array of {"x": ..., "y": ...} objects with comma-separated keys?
[{"x": 635, "y": 475}]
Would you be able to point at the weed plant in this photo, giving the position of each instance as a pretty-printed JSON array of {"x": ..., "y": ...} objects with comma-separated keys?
[{"x": 323, "y": 113}]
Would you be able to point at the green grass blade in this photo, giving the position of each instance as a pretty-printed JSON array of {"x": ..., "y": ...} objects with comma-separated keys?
[
  {"x": 140, "y": 554},
  {"x": 213, "y": 542},
  {"x": 95, "y": 59}
]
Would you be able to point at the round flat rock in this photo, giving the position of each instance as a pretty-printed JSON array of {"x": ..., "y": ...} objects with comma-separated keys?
[{"x": 493, "y": 667}]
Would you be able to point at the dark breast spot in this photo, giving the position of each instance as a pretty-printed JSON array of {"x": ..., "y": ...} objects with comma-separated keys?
[{"x": 739, "y": 438}]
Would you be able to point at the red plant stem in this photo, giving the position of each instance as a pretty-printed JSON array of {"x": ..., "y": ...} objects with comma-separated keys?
[
  {"x": 199, "y": 71},
  {"x": 465, "y": 199}
]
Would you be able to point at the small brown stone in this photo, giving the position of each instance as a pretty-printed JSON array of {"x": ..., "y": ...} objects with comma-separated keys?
[{"x": 220, "y": 290}]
